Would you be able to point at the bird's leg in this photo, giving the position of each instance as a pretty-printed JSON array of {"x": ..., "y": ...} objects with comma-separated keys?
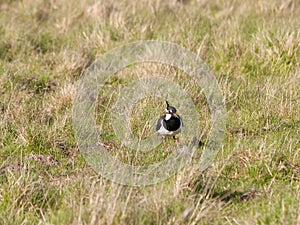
[
  {"x": 164, "y": 143},
  {"x": 176, "y": 140}
]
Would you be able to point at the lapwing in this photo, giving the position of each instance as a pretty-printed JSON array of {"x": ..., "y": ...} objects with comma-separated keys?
[{"x": 169, "y": 124}]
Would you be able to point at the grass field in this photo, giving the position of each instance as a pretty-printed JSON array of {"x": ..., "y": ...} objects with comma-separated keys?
[{"x": 252, "y": 47}]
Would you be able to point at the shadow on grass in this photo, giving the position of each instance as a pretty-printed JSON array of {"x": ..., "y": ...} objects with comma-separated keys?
[{"x": 209, "y": 187}]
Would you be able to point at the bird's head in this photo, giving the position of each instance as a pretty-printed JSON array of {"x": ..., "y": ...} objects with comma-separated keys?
[{"x": 170, "y": 109}]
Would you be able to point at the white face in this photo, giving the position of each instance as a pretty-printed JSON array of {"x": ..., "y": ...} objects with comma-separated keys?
[
  {"x": 169, "y": 111},
  {"x": 168, "y": 116}
]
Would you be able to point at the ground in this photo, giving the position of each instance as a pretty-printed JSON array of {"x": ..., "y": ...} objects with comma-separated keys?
[{"x": 252, "y": 48}]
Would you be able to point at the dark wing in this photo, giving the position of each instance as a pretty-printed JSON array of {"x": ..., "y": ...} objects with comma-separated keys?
[
  {"x": 181, "y": 120},
  {"x": 158, "y": 124}
]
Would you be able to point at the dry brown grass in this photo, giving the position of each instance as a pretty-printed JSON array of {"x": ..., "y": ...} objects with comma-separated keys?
[{"x": 253, "y": 48}]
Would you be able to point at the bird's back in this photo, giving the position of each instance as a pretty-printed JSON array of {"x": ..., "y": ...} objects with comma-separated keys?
[{"x": 159, "y": 122}]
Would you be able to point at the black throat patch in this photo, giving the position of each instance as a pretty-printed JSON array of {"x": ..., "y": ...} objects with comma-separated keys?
[{"x": 172, "y": 124}]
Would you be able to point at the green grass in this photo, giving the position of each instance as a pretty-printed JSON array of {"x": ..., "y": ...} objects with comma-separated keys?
[{"x": 252, "y": 47}]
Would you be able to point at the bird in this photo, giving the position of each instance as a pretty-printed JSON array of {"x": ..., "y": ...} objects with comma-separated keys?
[{"x": 170, "y": 123}]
